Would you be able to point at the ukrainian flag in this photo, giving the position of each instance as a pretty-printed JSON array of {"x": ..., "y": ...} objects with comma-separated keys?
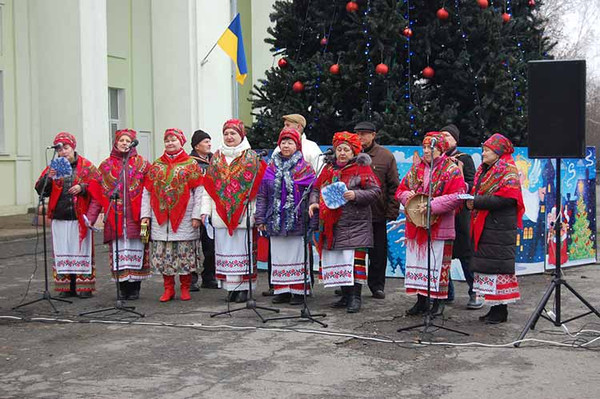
[{"x": 232, "y": 43}]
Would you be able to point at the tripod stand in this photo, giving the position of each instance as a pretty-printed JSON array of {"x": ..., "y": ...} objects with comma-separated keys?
[
  {"x": 46, "y": 294},
  {"x": 251, "y": 302},
  {"x": 428, "y": 316},
  {"x": 119, "y": 304},
  {"x": 557, "y": 280},
  {"x": 305, "y": 311}
]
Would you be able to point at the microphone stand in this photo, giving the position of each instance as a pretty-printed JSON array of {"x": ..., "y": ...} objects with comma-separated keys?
[
  {"x": 428, "y": 316},
  {"x": 46, "y": 296},
  {"x": 120, "y": 303},
  {"x": 305, "y": 311},
  {"x": 251, "y": 302}
]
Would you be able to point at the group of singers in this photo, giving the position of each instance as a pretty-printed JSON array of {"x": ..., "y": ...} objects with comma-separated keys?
[{"x": 201, "y": 207}]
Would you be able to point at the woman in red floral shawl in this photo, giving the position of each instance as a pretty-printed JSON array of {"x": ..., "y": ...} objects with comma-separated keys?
[
  {"x": 74, "y": 267},
  {"x": 497, "y": 212},
  {"x": 171, "y": 201},
  {"x": 447, "y": 183},
  {"x": 342, "y": 196},
  {"x": 134, "y": 265},
  {"x": 232, "y": 179}
]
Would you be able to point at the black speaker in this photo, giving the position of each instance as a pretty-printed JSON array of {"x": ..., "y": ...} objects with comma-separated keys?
[{"x": 557, "y": 109}]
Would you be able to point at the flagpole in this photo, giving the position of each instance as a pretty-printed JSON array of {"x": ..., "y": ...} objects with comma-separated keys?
[
  {"x": 236, "y": 92},
  {"x": 205, "y": 59}
]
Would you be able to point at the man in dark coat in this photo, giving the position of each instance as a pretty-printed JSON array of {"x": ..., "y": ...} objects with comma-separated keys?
[
  {"x": 462, "y": 243},
  {"x": 386, "y": 208},
  {"x": 201, "y": 145}
]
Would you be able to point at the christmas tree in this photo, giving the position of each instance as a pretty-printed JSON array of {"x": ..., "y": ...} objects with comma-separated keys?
[
  {"x": 582, "y": 247},
  {"x": 409, "y": 66}
]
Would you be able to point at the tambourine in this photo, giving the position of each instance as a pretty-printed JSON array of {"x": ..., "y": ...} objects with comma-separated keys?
[
  {"x": 144, "y": 233},
  {"x": 411, "y": 209}
]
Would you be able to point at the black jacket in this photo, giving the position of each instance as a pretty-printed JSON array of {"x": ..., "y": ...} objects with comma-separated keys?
[
  {"x": 497, "y": 246},
  {"x": 462, "y": 223}
]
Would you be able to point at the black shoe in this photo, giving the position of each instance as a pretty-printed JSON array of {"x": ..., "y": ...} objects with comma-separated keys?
[
  {"x": 378, "y": 294},
  {"x": 345, "y": 299},
  {"x": 85, "y": 294},
  {"x": 354, "y": 301},
  {"x": 67, "y": 294},
  {"x": 438, "y": 307},
  {"x": 134, "y": 290},
  {"x": 486, "y": 316},
  {"x": 282, "y": 298},
  {"x": 242, "y": 297},
  {"x": 268, "y": 292},
  {"x": 210, "y": 284},
  {"x": 418, "y": 308},
  {"x": 194, "y": 287},
  {"x": 123, "y": 290},
  {"x": 297, "y": 299},
  {"x": 232, "y": 296},
  {"x": 498, "y": 314}
]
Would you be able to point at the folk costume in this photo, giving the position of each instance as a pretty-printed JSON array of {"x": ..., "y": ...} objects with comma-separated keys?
[
  {"x": 447, "y": 183},
  {"x": 172, "y": 193},
  {"x": 346, "y": 232},
  {"x": 134, "y": 264},
  {"x": 498, "y": 210},
  {"x": 279, "y": 195},
  {"x": 74, "y": 268},
  {"x": 232, "y": 180}
]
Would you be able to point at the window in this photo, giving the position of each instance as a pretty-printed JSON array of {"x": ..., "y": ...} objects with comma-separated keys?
[{"x": 116, "y": 111}]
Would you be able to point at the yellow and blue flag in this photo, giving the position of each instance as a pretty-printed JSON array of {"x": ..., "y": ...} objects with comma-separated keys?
[{"x": 232, "y": 43}]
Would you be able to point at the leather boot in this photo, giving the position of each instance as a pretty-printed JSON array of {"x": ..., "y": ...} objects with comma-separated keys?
[
  {"x": 123, "y": 290},
  {"x": 169, "y": 283},
  {"x": 355, "y": 299},
  {"x": 134, "y": 290},
  {"x": 437, "y": 309},
  {"x": 498, "y": 314},
  {"x": 186, "y": 282},
  {"x": 418, "y": 308},
  {"x": 343, "y": 302}
]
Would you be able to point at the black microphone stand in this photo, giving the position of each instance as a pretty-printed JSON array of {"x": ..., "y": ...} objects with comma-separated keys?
[
  {"x": 46, "y": 294},
  {"x": 251, "y": 302},
  {"x": 428, "y": 316},
  {"x": 305, "y": 311},
  {"x": 120, "y": 303}
]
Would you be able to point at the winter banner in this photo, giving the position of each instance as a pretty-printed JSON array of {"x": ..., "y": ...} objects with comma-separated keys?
[{"x": 535, "y": 242}]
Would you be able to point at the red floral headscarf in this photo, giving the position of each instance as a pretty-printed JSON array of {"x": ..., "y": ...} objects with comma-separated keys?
[
  {"x": 65, "y": 138},
  {"x": 237, "y": 125},
  {"x": 132, "y": 134},
  {"x": 349, "y": 138},
  {"x": 177, "y": 133},
  {"x": 499, "y": 144},
  {"x": 440, "y": 141},
  {"x": 290, "y": 133}
]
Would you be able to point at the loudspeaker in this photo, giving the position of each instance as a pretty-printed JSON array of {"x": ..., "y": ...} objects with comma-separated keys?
[{"x": 557, "y": 109}]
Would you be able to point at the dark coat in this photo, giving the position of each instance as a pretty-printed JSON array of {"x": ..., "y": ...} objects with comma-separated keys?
[
  {"x": 462, "y": 223},
  {"x": 497, "y": 246},
  {"x": 354, "y": 229},
  {"x": 384, "y": 166},
  {"x": 65, "y": 207}
]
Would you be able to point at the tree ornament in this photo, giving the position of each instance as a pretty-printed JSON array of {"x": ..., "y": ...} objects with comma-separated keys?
[
  {"x": 483, "y": 4},
  {"x": 407, "y": 32},
  {"x": 381, "y": 69},
  {"x": 298, "y": 86},
  {"x": 442, "y": 14},
  {"x": 531, "y": 3},
  {"x": 351, "y": 6},
  {"x": 324, "y": 42},
  {"x": 505, "y": 17},
  {"x": 428, "y": 72},
  {"x": 283, "y": 63},
  {"x": 334, "y": 69}
]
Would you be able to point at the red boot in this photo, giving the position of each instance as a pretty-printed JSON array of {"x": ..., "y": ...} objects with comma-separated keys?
[
  {"x": 169, "y": 283},
  {"x": 186, "y": 282}
]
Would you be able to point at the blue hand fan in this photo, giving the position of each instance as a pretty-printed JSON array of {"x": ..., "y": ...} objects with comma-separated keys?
[
  {"x": 62, "y": 167},
  {"x": 333, "y": 195}
]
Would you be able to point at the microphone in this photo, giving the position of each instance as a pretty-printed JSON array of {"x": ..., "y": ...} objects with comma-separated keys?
[
  {"x": 56, "y": 146},
  {"x": 433, "y": 142},
  {"x": 134, "y": 143},
  {"x": 328, "y": 152},
  {"x": 262, "y": 153}
]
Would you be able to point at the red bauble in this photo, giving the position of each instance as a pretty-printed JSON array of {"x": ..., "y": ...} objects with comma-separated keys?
[
  {"x": 298, "y": 86},
  {"x": 407, "y": 32},
  {"x": 282, "y": 63},
  {"x": 381, "y": 69},
  {"x": 324, "y": 41},
  {"x": 505, "y": 17},
  {"x": 483, "y": 3},
  {"x": 351, "y": 6},
  {"x": 442, "y": 14},
  {"x": 428, "y": 72},
  {"x": 531, "y": 3},
  {"x": 334, "y": 69}
]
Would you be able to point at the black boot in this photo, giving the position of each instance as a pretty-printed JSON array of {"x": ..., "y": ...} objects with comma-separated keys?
[
  {"x": 438, "y": 307},
  {"x": 343, "y": 302},
  {"x": 418, "y": 308},
  {"x": 498, "y": 314},
  {"x": 281, "y": 298},
  {"x": 134, "y": 290},
  {"x": 123, "y": 290},
  {"x": 194, "y": 285},
  {"x": 232, "y": 296},
  {"x": 486, "y": 316},
  {"x": 355, "y": 299},
  {"x": 242, "y": 296}
]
